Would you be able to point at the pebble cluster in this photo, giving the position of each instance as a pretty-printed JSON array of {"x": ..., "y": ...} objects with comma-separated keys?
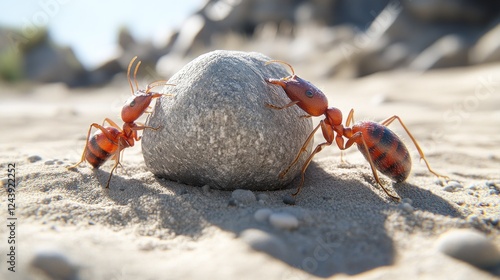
[{"x": 278, "y": 220}]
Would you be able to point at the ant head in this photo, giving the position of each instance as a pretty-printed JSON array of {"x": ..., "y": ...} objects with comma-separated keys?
[
  {"x": 137, "y": 104},
  {"x": 310, "y": 98}
]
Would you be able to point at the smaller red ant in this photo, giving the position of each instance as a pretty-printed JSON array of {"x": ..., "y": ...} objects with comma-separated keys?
[
  {"x": 109, "y": 141},
  {"x": 381, "y": 147}
]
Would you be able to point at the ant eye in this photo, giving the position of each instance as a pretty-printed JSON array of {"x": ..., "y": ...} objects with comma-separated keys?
[
  {"x": 309, "y": 93},
  {"x": 132, "y": 103}
]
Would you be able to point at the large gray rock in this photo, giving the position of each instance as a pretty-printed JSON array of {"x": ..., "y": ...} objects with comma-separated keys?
[{"x": 217, "y": 131}]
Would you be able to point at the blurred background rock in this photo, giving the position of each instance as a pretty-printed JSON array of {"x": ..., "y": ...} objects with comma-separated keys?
[{"x": 327, "y": 38}]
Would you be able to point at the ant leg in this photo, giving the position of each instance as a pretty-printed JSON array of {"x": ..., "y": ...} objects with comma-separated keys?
[
  {"x": 388, "y": 121},
  {"x": 268, "y": 105},
  {"x": 282, "y": 62},
  {"x": 84, "y": 149},
  {"x": 117, "y": 162},
  {"x": 357, "y": 138},
  {"x": 302, "y": 149},
  {"x": 112, "y": 123},
  {"x": 104, "y": 131},
  {"x": 328, "y": 135},
  {"x": 306, "y": 164},
  {"x": 141, "y": 126},
  {"x": 156, "y": 84},
  {"x": 350, "y": 118}
]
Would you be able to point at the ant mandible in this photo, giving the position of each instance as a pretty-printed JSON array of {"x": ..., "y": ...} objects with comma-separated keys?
[
  {"x": 109, "y": 141},
  {"x": 381, "y": 147}
]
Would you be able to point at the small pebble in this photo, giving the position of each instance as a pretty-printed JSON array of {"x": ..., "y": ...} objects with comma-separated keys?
[
  {"x": 407, "y": 200},
  {"x": 491, "y": 183},
  {"x": 473, "y": 187},
  {"x": 406, "y": 207},
  {"x": 262, "y": 241},
  {"x": 493, "y": 222},
  {"x": 55, "y": 265},
  {"x": 289, "y": 199},
  {"x": 206, "y": 189},
  {"x": 493, "y": 186},
  {"x": 49, "y": 162},
  {"x": 146, "y": 246},
  {"x": 34, "y": 158},
  {"x": 452, "y": 186},
  {"x": 243, "y": 196},
  {"x": 469, "y": 246},
  {"x": 438, "y": 182},
  {"x": 232, "y": 202},
  {"x": 262, "y": 197},
  {"x": 473, "y": 219},
  {"x": 262, "y": 215},
  {"x": 46, "y": 200},
  {"x": 483, "y": 204},
  {"x": 283, "y": 221}
]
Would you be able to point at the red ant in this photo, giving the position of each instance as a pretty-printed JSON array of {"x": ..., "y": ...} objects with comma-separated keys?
[
  {"x": 109, "y": 141},
  {"x": 381, "y": 147}
]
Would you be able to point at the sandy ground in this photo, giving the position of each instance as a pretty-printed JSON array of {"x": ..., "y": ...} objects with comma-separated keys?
[{"x": 148, "y": 228}]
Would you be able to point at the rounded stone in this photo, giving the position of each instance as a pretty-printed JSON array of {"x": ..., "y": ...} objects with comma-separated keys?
[
  {"x": 243, "y": 196},
  {"x": 283, "y": 221},
  {"x": 55, "y": 265},
  {"x": 265, "y": 242},
  {"x": 452, "y": 186},
  {"x": 216, "y": 129},
  {"x": 469, "y": 246},
  {"x": 262, "y": 215}
]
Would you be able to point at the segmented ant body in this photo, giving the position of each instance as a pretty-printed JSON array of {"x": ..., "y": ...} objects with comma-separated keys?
[
  {"x": 109, "y": 141},
  {"x": 381, "y": 147}
]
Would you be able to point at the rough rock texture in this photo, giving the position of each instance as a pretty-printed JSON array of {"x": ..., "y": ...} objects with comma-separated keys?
[{"x": 217, "y": 131}]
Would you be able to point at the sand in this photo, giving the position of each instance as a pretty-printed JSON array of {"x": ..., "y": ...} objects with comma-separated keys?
[{"x": 144, "y": 227}]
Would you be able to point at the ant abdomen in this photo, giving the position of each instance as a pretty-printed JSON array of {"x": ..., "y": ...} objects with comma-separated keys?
[
  {"x": 101, "y": 147},
  {"x": 387, "y": 151}
]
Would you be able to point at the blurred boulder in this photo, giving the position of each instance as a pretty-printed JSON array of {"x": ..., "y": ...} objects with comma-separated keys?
[
  {"x": 463, "y": 11},
  {"x": 448, "y": 51},
  {"x": 350, "y": 38},
  {"x": 46, "y": 62},
  {"x": 104, "y": 73},
  {"x": 487, "y": 48},
  {"x": 418, "y": 35}
]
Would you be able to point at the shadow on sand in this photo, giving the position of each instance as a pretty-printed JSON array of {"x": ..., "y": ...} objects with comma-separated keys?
[{"x": 342, "y": 222}]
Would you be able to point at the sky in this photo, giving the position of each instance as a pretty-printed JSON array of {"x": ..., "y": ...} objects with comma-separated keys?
[{"x": 91, "y": 27}]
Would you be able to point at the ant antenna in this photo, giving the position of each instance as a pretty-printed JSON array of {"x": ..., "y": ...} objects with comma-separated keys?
[
  {"x": 158, "y": 83},
  {"x": 128, "y": 73},
  {"x": 282, "y": 62},
  {"x": 135, "y": 74}
]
